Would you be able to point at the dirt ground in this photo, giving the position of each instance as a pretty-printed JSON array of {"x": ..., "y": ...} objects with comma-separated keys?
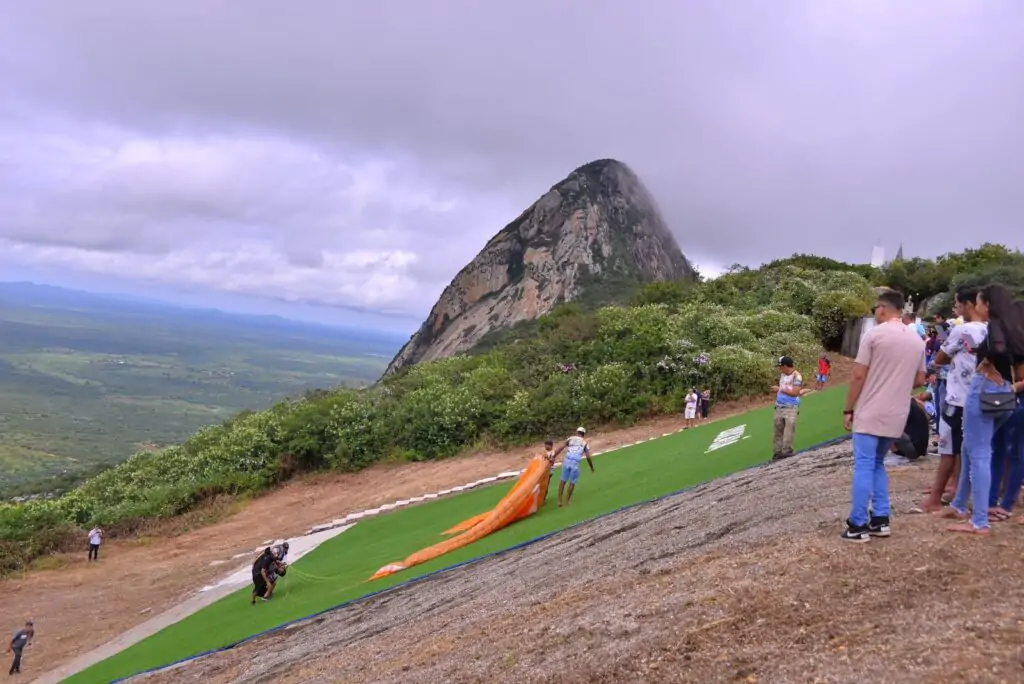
[
  {"x": 78, "y": 606},
  {"x": 742, "y": 580}
]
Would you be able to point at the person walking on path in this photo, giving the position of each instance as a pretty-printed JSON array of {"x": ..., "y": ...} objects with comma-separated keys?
[
  {"x": 889, "y": 365},
  {"x": 787, "y": 408},
  {"x": 22, "y": 639},
  {"x": 95, "y": 539}
]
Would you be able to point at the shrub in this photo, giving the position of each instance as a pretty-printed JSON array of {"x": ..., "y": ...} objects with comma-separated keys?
[{"x": 608, "y": 393}]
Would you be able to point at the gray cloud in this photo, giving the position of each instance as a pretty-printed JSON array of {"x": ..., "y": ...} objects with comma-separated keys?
[{"x": 360, "y": 153}]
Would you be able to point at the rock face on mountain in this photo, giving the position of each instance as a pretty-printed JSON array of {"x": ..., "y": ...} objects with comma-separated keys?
[{"x": 598, "y": 227}]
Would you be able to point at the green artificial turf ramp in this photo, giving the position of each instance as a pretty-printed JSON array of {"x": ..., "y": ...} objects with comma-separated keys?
[{"x": 336, "y": 571}]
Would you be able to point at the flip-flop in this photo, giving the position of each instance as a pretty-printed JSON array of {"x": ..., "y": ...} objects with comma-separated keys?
[
  {"x": 998, "y": 515},
  {"x": 968, "y": 528}
]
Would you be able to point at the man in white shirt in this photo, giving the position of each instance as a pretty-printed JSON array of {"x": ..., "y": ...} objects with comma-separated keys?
[
  {"x": 957, "y": 353},
  {"x": 95, "y": 539}
]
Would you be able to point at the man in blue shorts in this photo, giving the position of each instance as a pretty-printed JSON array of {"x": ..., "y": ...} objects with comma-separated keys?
[{"x": 576, "y": 449}]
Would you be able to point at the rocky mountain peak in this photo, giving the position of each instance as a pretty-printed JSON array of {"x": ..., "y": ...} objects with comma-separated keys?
[{"x": 598, "y": 229}]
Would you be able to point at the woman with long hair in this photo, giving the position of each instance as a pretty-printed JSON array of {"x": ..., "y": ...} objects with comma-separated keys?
[{"x": 998, "y": 355}]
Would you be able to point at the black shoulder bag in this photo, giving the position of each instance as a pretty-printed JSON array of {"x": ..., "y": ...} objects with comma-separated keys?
[{"x": 1000, "y": 403}]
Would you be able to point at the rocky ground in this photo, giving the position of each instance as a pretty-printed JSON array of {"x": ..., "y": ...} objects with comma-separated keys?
[{"x": 742, "y": 580}]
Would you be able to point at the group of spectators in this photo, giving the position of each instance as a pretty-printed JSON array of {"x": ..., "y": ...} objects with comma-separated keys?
[
  {"x": 981, "y": 418},
  {"x": 976, "y": 368}
]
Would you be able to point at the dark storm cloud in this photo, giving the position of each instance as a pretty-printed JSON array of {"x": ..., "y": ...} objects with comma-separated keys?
[{"x": 394, "y": 138}]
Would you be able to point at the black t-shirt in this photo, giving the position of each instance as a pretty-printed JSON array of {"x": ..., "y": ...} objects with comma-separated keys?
[
  {"x": 19, "y": 640},
  {"x": 995, "y": 348},
  {"x": 265, "y": 561},
  {"x": 917, "y": 429}
]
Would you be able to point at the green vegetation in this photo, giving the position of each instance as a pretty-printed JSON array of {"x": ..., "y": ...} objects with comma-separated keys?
[
  {"x": 86, "y": 381},
  {"x": 337, "y": 571},
  {"x": 608, "y": 366},
  {"x": 925, "y": 278}
]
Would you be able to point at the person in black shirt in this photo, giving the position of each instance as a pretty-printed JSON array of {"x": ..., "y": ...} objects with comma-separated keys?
[
  {"x": 22, "y": 639},
  {"x": 261, "y": 571},
  {"x": 914, "y": 442}
]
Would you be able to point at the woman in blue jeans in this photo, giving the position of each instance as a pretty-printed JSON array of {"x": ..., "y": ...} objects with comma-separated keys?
[
  {"x": 976, "y": 469},
  {"x": 997, "y": 355},
  {"x": 1007, "y": 464}
]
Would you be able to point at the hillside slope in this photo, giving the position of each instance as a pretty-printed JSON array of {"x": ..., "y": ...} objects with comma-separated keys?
[
  {"x": 141, "y": 576},
  {"x": 597, "y": 228},
  {"x": 743, "y": 580}
]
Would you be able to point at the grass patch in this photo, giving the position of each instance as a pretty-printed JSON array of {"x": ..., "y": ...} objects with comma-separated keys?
[{"x": 336, "y": 571}]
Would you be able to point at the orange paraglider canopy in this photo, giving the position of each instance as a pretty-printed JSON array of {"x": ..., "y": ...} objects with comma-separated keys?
[{"x": 524, "y": 499}]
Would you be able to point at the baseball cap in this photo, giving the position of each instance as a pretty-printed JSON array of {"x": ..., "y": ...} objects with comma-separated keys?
[
  {"x": 581, "y": 429},
  {"x": 785, "y": 361}
]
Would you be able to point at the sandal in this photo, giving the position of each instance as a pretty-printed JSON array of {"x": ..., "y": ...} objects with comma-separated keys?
[
  {"x": 998, "y": 515},
  {"x": 968, "y": 528}
]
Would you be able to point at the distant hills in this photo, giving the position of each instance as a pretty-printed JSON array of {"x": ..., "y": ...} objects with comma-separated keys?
[
  {"x": 23, "y": 293},
  {"x": 87, "y": 379}
]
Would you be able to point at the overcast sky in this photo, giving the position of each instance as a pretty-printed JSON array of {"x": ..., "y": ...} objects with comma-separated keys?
[{"x": 357, "y": 154}]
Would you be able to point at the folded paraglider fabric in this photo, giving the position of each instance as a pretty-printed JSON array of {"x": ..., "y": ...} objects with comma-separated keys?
[{"x": 524, "y": 499}]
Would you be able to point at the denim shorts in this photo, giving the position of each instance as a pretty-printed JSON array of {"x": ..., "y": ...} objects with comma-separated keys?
[{"x": 570, "y": 473}]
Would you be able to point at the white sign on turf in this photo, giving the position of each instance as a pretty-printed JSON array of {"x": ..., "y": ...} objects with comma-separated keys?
[{"x": 727, "y": 437}]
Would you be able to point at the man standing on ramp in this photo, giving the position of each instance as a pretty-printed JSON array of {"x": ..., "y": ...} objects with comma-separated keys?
[
  {"x": 787, "y": 408},
  {"x": 578, "y": 449}
]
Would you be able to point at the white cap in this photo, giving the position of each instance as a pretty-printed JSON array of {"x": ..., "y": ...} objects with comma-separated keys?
[{"x": 581, "y": 429}]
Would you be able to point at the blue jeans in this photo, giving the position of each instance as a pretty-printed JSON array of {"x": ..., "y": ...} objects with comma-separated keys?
[
  {"x": 1008, "y": 450},
  {"x": 870, "y": 481},
  {"x": 570, "y": 472},
  {"x": 976, "y": 460},
  {"x": 940, "y": 401}
]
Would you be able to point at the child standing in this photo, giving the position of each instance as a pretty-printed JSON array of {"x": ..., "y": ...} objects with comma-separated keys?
[{"x": 824, "y": 370}]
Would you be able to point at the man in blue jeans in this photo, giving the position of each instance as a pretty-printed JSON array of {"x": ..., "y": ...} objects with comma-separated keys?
[{"x": 889, "y": 364}]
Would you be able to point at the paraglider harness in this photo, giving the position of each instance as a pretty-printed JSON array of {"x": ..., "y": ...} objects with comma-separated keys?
[{"x": 279, "y": 567}]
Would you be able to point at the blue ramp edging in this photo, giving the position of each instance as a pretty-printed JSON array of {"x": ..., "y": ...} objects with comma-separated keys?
[{"x": 470, "y": 561}]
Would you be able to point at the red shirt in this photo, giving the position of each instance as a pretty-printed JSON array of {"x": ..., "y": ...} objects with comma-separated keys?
[{"x": 824, "y": 366}]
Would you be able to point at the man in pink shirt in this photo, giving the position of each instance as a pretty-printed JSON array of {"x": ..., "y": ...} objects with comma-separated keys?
[{"x": 890, "y": 363}]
